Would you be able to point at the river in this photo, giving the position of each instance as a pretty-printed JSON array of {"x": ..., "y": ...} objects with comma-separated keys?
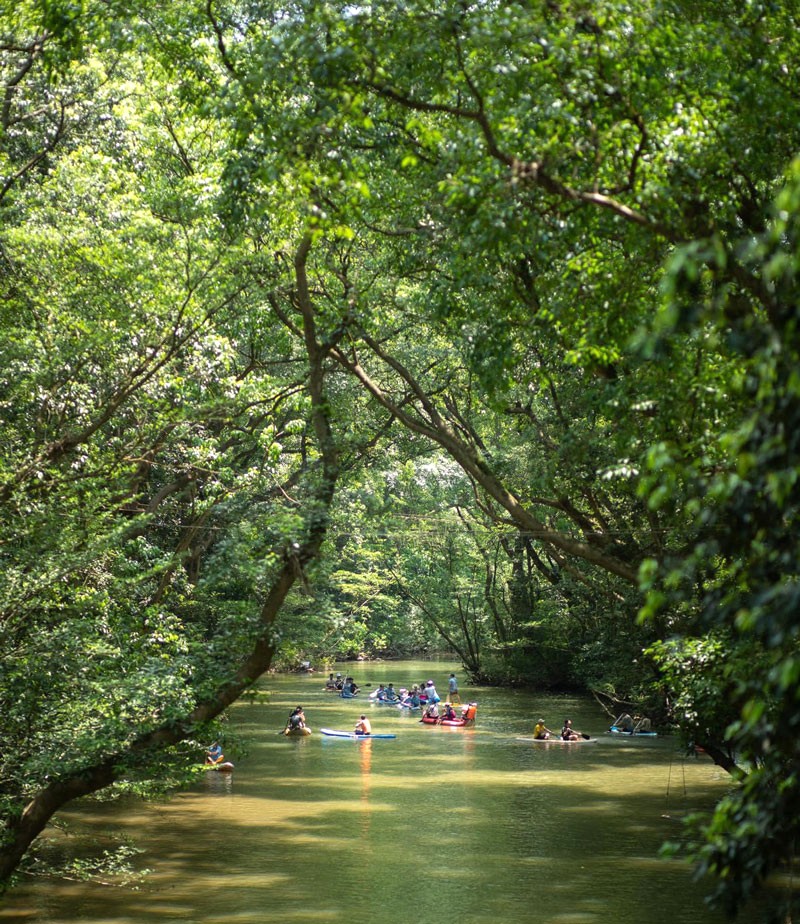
[{"x": 437, "y": 826}]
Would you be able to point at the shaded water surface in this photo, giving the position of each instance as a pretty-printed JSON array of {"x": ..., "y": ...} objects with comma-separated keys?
[{"x": 438, "y": 825}]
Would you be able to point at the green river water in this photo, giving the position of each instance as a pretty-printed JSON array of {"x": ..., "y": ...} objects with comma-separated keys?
[{"x": 438, "y": 826}]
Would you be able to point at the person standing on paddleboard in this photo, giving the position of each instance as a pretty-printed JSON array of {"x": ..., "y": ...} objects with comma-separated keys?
[{"x": 452, "y": 689}]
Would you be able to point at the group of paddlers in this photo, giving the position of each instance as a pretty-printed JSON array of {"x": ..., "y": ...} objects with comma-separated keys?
[
  {"x": 568, "y": 733},
  {"x": 637, "y": 723},
  {"x": 417, "y": 696},
  {"x": 448, "y": 713},
  {"x": 344, "y": 685}
]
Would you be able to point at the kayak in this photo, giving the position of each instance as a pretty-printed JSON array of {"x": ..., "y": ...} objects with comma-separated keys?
[
  {"x": 297, "y": 732},
  {"x": 224, "y": 767},
  {"x": 557, "y": 740},
  {"x": 467, "y": 717},
  {"x": 632, "y": 734},
  {"x": 348, "y": 695},
  {"x": 453, "y": 723},
  {"x": 333, "y": 733}
]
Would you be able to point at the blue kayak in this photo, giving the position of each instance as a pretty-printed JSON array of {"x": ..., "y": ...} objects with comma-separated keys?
[
  {"x": 332, "y": 733},
  {"x": 615, "y": 730}
]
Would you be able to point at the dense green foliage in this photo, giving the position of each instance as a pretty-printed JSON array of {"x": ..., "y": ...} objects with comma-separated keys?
[{"x": 337, "y": 328}]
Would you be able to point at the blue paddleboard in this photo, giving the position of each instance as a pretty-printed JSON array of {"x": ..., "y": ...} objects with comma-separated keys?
[{"x": 332, "y": 733}]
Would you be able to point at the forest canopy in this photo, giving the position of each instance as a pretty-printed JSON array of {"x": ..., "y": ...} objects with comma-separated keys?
[{"x": 335, "y": 329}]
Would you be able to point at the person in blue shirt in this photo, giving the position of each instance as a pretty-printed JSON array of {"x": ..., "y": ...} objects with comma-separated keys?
[
  {"x": 452, "y": 689},
  {"x": 350, "y": 688},
  {"x": 214, "y": 754}
]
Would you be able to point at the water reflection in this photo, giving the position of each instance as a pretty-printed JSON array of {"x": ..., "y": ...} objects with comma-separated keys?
[
  {"x": 365, "y": 766},
  {"x": 437, "y": 824},
  {"x": 220, "y": 784}
]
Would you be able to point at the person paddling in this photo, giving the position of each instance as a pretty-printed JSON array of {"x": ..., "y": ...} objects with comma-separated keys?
[
  {"x": 296, "y": 721},
  {"x": 624, "y": 723},
  {"x": 568, "y": 733}
]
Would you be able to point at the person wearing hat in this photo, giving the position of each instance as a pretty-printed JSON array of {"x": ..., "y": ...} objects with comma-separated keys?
[
  {"x": 214, "y": 754},
  {"x": 541, "y": 731}
]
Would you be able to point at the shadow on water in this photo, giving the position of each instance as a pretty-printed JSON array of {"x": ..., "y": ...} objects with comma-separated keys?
[{"x": 437, "y": 824}]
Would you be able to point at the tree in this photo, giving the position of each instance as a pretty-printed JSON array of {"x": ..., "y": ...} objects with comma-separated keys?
[
  {"x": 144, "y": 415},
  {"x": 736, "y": 582}
]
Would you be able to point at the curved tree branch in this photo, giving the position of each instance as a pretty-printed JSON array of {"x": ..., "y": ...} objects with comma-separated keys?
[{"x": 436, "y": 429}]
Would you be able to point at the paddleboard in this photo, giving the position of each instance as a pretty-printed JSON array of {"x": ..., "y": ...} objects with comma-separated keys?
[
  {"x": 333, "y": 733},
  {"x": 556, "y": 740},
  {"x": 632, "y": 734}
]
